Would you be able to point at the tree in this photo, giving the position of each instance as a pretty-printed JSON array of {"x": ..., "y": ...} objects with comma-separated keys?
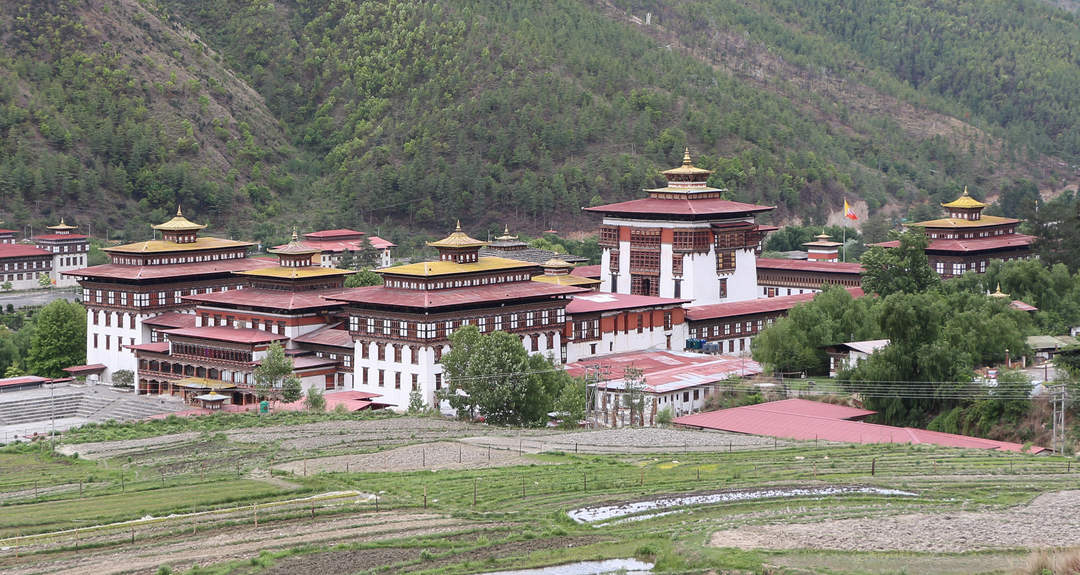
[
  {"x": 634, "y": 379},
  {"x": 363, "y": 278},
  {"x": 315, "y": 400},
  {"x": 123, "y": 378},
  {"x": 416, "y": 402},
  {"x": 6, "y": 286},
  {"x": 58, "y": 340},
  {"x": 43, "y": 280},
  {"x": 492, "y": 375},
  {"x": 274, "y": 375},
  {"x": 903, "y": 269},
  {"x": 367, "y": 256},
  {"x": 14, "y": 370},
  {"x": 569, "y": 406}
]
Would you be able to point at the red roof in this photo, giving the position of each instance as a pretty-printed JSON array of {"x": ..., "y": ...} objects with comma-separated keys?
[
  {"x": 604, "y": 301},
  {"x": 90, "y": 368},
  {"x": 427, "y": 299},
  {"x": 667, "y": 371},
  {"x": 380, "y": 244},
  {"x": 972, "y": 245},
  {"x": 267, "y": 298},
  {"x": 754, "y": 306},
  {"x": 172, "y": 319},
  {"x": 591, "y": 272},
  {"x": 21, "y": 251},
  {"x": 332, "y": 335},
  {"x": 8, "y": 232},
  {"x": 338, "y": 233},
  {"x": 809, "y": 266},
  {"x": 156, "y": 347},
  {"x": 681, "y": 207},
  {"x": 1022, "y": 306},
  {"x": 116, "y": 271},
  {"x": 310, "y": 361},
  {"x": 804, "y": 421},
  {"x": 60, "y": 237},
  {"x": 22, "y": 380},
  {"x": 235, "y": 335}
]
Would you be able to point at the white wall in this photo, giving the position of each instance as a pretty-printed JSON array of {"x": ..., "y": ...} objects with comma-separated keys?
[{"x": 116, "y": 357}]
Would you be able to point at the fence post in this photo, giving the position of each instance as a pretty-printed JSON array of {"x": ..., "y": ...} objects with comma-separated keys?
[
  {"x": 523, "y": 486},
  {"x": 122, "y": 486},
  {"x": 255, "y": 508},
  {"x": 641, "y": 480},
  {"x": 474, "y": 492},
  {"x": 873, "y": 466},
  {"x": 132, "y": 535},
  {"x": 425, "y": 498},
  {"x": 585, "y": 479},
  {"x": 459, "y": 454}
]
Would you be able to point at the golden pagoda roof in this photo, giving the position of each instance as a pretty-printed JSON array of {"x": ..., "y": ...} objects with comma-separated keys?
[
  {"x": 294, "y": 247},
  {"x": 458, "y": 239},
  {"x": 964, "y": 201},
  {"x": 179, "y": 224},
  {"x": 686, "y": 168},
  {"x": 295, "y": 273},
  {"x": 440, "y": 268},
  {"x": 62, "y": 226},
  {"x": 998, "y": 292},
  {"x": 984, "y": 221},
  {"x": 557, "y": 263},
  {"x": 156, "y": 246},
  {"x": 506, "y": 237},
  {"x": 567, "y": 280}
]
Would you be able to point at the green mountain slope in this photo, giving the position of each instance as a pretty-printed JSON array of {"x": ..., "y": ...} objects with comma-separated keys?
[{"x": 409, "y": 115}]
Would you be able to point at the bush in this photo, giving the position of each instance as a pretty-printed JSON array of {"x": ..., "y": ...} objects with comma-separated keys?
[
  {"x": 315, "y": 401},
  {"x": 664, "y": 416}
]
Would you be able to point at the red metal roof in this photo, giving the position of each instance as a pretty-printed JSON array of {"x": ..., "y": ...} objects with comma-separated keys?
[
  {"x": 338, "y": 233},
  {"x": 591, "y": 272},
  {"x": 310, "y": 361},
  {"x": 60, "y": 237},
  {"x": 333, "y": 335},
  {"x": 7, "y": 232},
  {"x": 89, "y": 368},
  {"x": 1022, "y": 306},
  {"x": 972, "y": 245},
  {"x": 116, "y": 271},
  {"x": 667, "y": 371},
  {"x": 831, "y": 423},
  {"x": 754, "y": 306},
  {"x": 156, "y": 347},
  {"x": 681, "y": 207},
  {"x": 23, "y": 380},
  {"x": 380, "y": 244},
  {"x": 171, "y": 319},
  {"x": 427, "y": 299},
  {"x": 605, "y": 301},
  {"x": 235, "y": 335},
  {"x": 267, "y": 298},
  {"x": 809, "y": 266},
  {"x": 21, "y": 251}
]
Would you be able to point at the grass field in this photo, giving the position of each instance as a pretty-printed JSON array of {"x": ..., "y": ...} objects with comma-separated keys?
[{"x": 475, "y": 520}]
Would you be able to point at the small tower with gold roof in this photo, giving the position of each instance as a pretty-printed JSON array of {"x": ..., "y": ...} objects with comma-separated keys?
[
  {"x": 179, "y": 230},
  {"x": 458, "y": 247}
]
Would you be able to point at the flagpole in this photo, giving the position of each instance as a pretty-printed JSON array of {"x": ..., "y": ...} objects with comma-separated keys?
[{"x": 845, "y": 244}]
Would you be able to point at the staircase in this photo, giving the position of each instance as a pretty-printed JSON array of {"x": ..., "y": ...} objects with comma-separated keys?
[{"x": 93, "y": 404}]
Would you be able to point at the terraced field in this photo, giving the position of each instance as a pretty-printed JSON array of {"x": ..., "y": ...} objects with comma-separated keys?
[{"x": 405, "y": 495}]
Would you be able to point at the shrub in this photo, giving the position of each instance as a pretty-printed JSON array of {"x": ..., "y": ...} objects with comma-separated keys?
[{"x": 664, "y": 416}]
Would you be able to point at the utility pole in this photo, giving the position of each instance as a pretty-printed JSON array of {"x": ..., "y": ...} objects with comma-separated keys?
[{"x": 1057, "y": 400}]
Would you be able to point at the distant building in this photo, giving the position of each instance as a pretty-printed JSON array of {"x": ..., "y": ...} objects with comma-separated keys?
[
  {"x": 69, "y": 251},
  {"x": 145, "y": 279},
  {"x": 782, "y": 277},
  {"x": 599, "y": 323},
  {"x": 967, "y": 241},
  {"x": 510, "y": 247},
  {"x": 402, "y": 328},
  {"x": 822, "y": 249},
  {"x": 21, "y": 265},
  {"x": 558, "y": 272},
  {"x": 334, "y": 245},
  {"x": 848, "y": 355},
  {"x": 683, "y": 241}
]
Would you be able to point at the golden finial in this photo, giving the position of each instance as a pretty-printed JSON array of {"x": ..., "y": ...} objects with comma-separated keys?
[
  {"x": 965, "y": 191},
  {"x": 62, "y": 221},
  {"x": 458, "y": 227},
  {"x": 179, "y": 212},
  {"x": 506, "y": 229},
  {"x": 295, "y": 238},
  {"x": 686, "y": 156}
]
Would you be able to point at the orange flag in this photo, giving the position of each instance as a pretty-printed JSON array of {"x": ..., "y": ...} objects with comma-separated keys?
[{"x": 849, "y": 213}]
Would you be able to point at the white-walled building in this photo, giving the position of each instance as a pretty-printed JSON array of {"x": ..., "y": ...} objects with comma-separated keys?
[
  {"x": 69, "y": 252},
  {"x": 599, "y": 324},
  {"x": 684, "y": 241}
]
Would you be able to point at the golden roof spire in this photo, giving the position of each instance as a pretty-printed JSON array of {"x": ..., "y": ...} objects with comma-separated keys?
[
  {"x": 457, "y": 228},
  {"x": 179, "y": 211},
  {"x": 686, "y": 156},
  {"x": 179, "y": 223},
  {"x": 687, "y": 169},
  {"x": 964, "y": 201},
  {"x": 458, "y": 239},
  {"x": 998, "y": 292},
  {"x": 295, "y": 237},
  {"x": 506, "y": 229}
]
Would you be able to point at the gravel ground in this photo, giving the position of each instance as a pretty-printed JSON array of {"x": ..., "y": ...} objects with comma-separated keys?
[
  {"x": 438, "y": 455},
  {"x": 105, "y": 449},
  {"x": 1050, "y": 520}
]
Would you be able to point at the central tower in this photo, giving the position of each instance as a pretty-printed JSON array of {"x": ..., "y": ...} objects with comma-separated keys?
[{"x": 683, "y": 241}]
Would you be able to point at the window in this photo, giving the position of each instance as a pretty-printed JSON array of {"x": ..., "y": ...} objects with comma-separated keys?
[
  {"x": 354, "y": 323},
  {"x": 723, "y": 288},
  {"x": 386, "y": 327},
  {"x": 513, "y": 321},
  {"x": 403, "y": 329},
  {"x": 667, "y": 320},
  {"x": 529, "y": 319},
  {"x": 397, "y": 380},
  {"x": 725, "y": 261},
  {"x": 371, "y": 325},
  {"x": 498, "y": 323},
  {"x": 382, "y": 377},
  {"x": 415, "y": 382},
  {"x": 449, "y": 328},
  {"x": 940, "y": 268}
]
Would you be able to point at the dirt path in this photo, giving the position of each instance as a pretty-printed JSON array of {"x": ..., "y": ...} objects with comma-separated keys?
[
  {"x": 438, "y": 455},
  {"x": 1049, "y": 520},
  {"x": 238, "y": 543}
]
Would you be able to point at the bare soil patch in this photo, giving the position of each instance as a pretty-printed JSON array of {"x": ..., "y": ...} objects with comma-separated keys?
[
  {"x": 438, "y": 455},
  {"x": 1050, "y": 520}
]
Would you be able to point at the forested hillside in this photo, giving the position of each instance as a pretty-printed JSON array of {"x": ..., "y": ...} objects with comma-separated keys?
[{"x": 260, "y": 114}]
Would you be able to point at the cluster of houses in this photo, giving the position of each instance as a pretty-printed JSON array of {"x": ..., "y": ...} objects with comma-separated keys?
[{"x": 193, "y": 315}]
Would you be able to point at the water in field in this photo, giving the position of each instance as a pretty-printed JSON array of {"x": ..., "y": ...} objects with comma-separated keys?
[
  {"x": 607, "y": 512},
  {"x": 627, "y": 566}
]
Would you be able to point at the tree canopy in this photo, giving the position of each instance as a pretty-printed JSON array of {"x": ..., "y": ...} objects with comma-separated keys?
[
  {"x": 58, "y": 340},
  {"x": 903, "y": 269},
  {"x": 499, "y": 380},
  {"x": 274, "y": 377}
]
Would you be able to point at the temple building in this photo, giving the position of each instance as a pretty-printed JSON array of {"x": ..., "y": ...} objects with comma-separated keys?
[
  {"x": 823, "y": 249},
  {"x": 145, "y": 279},
  {"x": 69, "y": 251},
  {"x": 21, "y": 265},
  {"x": 403, "y": 327},
  {"x": 784, "y": 277},
  {"x": 599, "y": 324},
  {"x": 233, "y": 329},
  {"x": 557, "y": 271},
  {"x": 684, "y": 241},
  {"x": 967, "y": 240},
  {"x": 334, "y": 246},
  {"x": 509, "y": 246}
]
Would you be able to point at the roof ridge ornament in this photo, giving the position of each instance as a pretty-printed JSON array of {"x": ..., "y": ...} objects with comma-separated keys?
[{"x": 686, "y": 156}]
